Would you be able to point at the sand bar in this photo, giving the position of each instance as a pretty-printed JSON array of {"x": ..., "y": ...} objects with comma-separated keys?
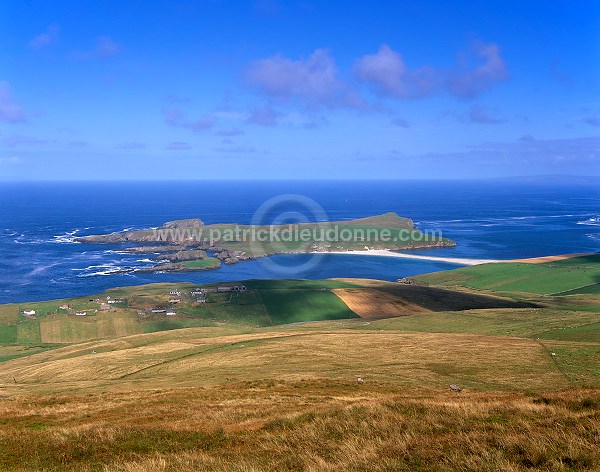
[{"x": 403, "y": 255}]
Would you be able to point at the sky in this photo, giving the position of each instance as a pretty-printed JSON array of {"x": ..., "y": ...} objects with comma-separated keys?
[{"x": 272, "y": 89}]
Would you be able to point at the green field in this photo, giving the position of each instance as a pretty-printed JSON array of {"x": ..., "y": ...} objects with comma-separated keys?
[
  {"x": 297, "y": 305},
  {"x": 8, "y": 334},
  {"x": 209, "y": 262},
  {"x": 573, "y": 275},
  {"x": 593, "y": 289}
]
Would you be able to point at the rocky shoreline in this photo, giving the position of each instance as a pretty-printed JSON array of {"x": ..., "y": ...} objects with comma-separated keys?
[{"x": 180, "y": 252}]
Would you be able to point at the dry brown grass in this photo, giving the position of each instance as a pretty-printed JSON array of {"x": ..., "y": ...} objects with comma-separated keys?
[
  {"x": 286, "y": 398},
  {"x": 417, "y": 360},
  {"x": 305, "y": 425},
  {"x": 373, "y": 303}
]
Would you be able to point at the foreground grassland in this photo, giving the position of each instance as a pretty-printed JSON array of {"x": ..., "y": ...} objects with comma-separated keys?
[
  {"x": 304, "y": 425},
  {"x": 265, "y": 378},
  {"x": 224, "y": 398}
]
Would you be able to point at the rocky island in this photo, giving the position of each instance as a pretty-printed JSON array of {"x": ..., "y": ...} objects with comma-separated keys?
[{"x": 190, "y": 245}]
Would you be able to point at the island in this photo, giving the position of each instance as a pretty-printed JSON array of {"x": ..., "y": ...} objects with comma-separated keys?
[{"x": 191, "y": 245}]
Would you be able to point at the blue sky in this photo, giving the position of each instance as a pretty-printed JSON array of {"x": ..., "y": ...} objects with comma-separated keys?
[{"x": 298, "y": 89}]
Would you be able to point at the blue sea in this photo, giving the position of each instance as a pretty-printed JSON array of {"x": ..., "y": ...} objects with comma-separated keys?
[{"x": 488, "y": 219}]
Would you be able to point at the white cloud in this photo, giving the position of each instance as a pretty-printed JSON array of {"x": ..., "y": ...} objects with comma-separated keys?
[
  {"x": 482, "y": 67},
  {"x": 389, "y": 75}
]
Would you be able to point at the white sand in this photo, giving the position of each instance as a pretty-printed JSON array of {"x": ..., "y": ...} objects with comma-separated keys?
[{"x": 403, "y": 255}]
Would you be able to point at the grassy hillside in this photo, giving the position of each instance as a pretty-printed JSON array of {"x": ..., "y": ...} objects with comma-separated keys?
[
  {"x": 248, "y": 387},
  {"x": 309, "y": 425},
  {"x": 568, "y": 276},
  {"x": 287, "y": 399}
]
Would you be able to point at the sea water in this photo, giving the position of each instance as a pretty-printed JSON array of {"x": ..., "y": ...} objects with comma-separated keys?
[{"x": 488, "y": 220}]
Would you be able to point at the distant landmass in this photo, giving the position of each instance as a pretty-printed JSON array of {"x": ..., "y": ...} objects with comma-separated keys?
[{"x": 190, "y": 245}]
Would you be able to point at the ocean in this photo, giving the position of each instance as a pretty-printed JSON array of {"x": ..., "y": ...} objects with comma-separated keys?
[{"x": 488, "y": 220}]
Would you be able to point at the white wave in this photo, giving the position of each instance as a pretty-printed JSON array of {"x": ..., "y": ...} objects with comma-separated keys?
[
  {"x": 68, "y": 237},
  {"x": 136, "y": 228},
  {"x": 500, "y": 220},
  {"x": 590, "y": 222},
  {"x": 107, "y": 270}
]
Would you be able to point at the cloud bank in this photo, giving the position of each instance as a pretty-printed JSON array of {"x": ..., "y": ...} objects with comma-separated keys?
[
  {"x": 315, "y": 81},
  {"x": 387, "y": 74}
]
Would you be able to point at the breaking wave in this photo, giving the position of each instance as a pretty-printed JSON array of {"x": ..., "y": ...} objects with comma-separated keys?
[
  {"x": 103, "y": 269},
  {"x": 590, "y": 222},
  {"x": 68, "y": 237}
]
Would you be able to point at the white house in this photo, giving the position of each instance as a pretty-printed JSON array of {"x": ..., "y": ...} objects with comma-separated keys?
[
  {"x": 171, "y": 313},
  {"x": 29, "y": 312},
  {"x": 80, "y": 313}
]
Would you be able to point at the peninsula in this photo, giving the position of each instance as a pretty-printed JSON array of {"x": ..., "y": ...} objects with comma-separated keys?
[{"x": 190, "y": 245}]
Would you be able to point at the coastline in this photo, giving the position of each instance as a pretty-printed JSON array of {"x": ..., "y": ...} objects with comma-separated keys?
[{"x": 402, "y": 255}]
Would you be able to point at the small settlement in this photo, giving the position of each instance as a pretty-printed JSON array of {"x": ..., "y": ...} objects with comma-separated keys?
[{"x": 171, "y": 299}]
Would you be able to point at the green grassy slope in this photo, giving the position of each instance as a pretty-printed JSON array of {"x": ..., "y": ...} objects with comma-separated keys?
[
  {"x": 573, "y": 275},
  {"x": 296, "y": 305}
]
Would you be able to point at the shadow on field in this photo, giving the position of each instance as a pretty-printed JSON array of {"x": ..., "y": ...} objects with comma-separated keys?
[{"x": 439, "y": 299}]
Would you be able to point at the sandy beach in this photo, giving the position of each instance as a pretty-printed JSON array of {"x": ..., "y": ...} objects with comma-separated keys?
[{"x": 403, "y": 255}]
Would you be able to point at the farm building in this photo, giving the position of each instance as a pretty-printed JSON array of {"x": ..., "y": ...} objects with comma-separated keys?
[{"x": 29, "y": 312}]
